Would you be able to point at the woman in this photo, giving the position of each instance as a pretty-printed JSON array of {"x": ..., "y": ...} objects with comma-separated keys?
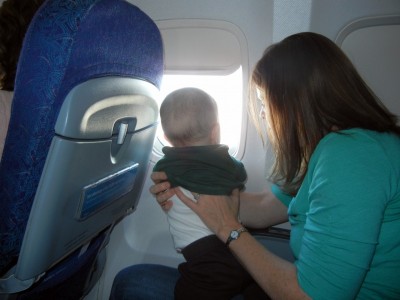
[{"x": 336, "y": 179}]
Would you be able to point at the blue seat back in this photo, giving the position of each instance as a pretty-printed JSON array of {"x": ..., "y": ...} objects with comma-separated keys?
[{"x": 82, "y": 126}]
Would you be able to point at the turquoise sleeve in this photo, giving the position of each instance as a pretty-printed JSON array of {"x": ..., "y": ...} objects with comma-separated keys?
[
  {"x": 283, "y": 197},
  {"x": 347, "y": 182}
]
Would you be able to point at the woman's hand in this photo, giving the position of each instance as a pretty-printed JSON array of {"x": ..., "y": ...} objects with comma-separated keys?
[
  {"x": 219, "y": 213},
  {"x": 161, "y": 190}
]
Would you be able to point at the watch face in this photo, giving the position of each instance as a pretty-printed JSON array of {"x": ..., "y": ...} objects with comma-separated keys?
[{"x": 234, "y": 234}]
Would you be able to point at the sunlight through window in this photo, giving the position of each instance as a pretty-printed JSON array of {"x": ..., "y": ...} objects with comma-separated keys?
[{"x": 228, "y": 93}]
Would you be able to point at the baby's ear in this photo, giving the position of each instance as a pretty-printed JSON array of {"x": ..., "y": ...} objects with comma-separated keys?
[
  {"x": 216, "y": 134},
  {"x": 167, "y": 139}
]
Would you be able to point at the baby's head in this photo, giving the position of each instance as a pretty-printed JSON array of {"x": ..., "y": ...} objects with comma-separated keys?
[{"x": 189, "y": 117}]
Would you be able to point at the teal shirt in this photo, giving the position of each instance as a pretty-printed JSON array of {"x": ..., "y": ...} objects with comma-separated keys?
[{"x": 345, "y": 218}]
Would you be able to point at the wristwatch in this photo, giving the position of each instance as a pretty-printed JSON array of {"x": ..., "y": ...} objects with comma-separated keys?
[{"x": 234, "y": 235}]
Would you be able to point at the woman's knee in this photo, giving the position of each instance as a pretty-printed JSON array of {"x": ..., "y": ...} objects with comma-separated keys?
[{"x": 145, "y": 281}]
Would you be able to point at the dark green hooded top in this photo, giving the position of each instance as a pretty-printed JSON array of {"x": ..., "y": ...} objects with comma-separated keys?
[{"x": 202, "y": 169}]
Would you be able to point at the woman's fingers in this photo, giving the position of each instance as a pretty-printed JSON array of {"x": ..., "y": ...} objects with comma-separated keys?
[
  {"x": 166, "y": 205},
  {"x": 158, "y": 177},
  {"x": 161, "y": 190},
  {"x": 165, "y": 195},
  {"x": 163, "y": 199}
]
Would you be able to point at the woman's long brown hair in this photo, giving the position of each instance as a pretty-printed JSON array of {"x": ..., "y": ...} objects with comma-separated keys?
[
  {"x": 15, "y": 17},
  {"x": 311, "y": 88}
]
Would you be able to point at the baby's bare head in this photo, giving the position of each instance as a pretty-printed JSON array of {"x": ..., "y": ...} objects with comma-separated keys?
[{"x": 189, "y": 117}]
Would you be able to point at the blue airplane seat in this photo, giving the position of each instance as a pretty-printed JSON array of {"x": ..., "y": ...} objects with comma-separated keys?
[{"x": 82, "y": 127}]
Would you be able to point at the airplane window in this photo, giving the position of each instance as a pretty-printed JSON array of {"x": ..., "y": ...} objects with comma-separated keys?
[
  {"x": 210, "y": 55},
  {"x": 225, "y": 89},
  {"x": 372, "y": 44}
]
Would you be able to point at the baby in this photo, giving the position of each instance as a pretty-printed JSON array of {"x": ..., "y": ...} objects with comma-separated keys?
[{"x": 199, "y": 164}]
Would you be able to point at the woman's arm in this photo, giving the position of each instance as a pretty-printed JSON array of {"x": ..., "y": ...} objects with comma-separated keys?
[
  {"x": 257, "y": 210},
  {"x": 261, "y": 210},
  {"x": 276, "y": 276}
]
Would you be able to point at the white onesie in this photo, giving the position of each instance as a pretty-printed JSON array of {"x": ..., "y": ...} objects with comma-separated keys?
[{"x": 184, "y": 224}]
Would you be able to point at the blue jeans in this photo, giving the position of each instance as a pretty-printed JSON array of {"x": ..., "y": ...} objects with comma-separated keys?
[{"x": 145, "y": 282}]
